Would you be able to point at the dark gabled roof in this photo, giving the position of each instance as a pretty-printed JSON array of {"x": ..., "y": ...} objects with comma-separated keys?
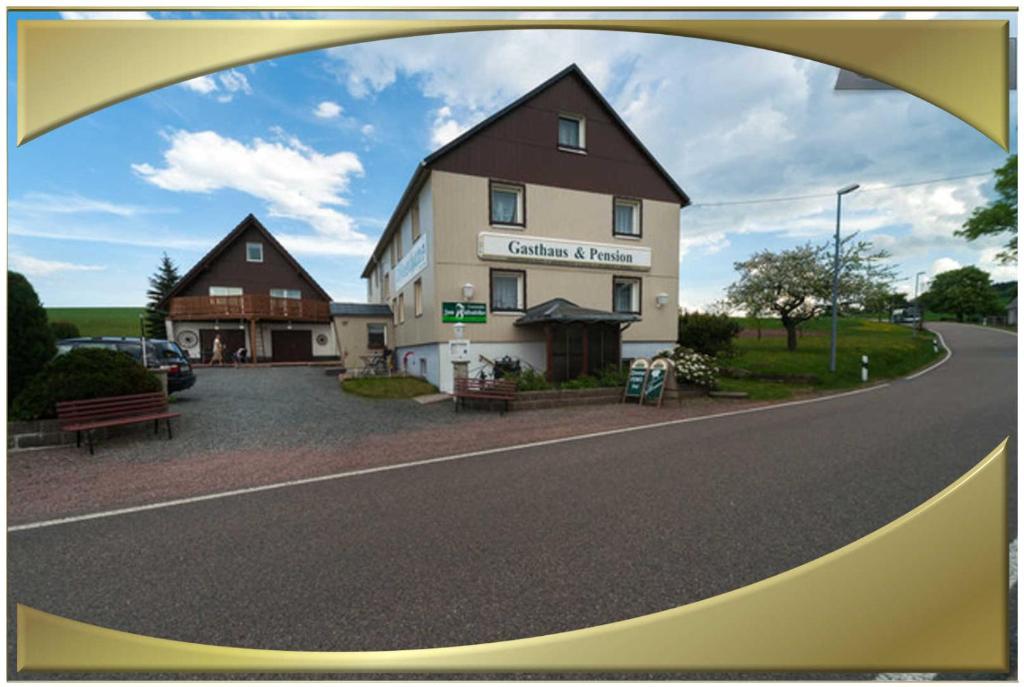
[
  {"x": 422, "y": 170},
  {"x": 561, "y": 311},
  {"x": 361, "y": 309},
  {"x": 250, "y": 221}
]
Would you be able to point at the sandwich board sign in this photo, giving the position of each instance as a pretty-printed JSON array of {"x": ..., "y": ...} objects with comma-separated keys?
[
  {"x": 636, "y": 380},
  {"x": 654, "y": 390}
]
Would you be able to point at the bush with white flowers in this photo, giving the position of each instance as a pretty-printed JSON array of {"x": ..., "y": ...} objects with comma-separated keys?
[{"x": 692, "y": 367}]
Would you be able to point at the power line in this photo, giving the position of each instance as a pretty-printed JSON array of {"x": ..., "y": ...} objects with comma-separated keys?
[{"x": 780, "y": 199}]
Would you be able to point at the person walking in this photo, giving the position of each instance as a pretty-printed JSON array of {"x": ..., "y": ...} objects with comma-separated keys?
[
  {"x": 240, "y": 356},
  {"x": 218, "y": 351}
]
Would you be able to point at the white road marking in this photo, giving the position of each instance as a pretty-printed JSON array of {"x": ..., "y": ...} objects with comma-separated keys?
[
  {"x": 949, "y": 354},
  {"x": 430, "y": 461},
  {"x": 922, "y": 677}
]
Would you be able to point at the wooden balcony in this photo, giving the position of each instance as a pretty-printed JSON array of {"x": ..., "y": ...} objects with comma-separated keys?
[{"x": 248, "y": 307}]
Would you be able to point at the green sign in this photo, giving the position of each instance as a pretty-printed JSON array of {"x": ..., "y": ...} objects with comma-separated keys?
[
  {"x": 464, "y": 312},
  {"x": 635, "y": 382},
  {"x": 655, "y": 385}
]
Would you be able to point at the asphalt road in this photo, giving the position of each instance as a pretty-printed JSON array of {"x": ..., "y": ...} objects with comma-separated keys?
[{"x": 528, "y": 542}]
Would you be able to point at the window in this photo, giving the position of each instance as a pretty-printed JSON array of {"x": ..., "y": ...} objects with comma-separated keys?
[
  {"x": 394, "y": 311},
  {"x": 571, "y": 132},
  {"x": 387, "y": 285},
  {"x": 626, "y": 295},
  {"x": 508, "y": 204},
  {"x": 414, "y": 220},
  {"x": 254, "y": 252},
  {"x": 376, "y": 335},
  {"x": 286, "y": 293},
  {"x": 508, "y": 291},
  {"x": 225, "y": 290},
  {"x": 417, "y": 297},
  {"x": 401, "y": 308},
  {"x": 626, "y": 217},
  {"x": 394, "y": 254}
]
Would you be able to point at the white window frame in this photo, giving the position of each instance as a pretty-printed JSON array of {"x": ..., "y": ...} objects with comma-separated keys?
[
  {"x": 520, "y": 276},
  {"x": 417, "y": 297},
  {"x": 286, "y": 293},
  {"x": 581, "y": 121},
  {"x": 401, "y": 308},
  {"x": 219, "y": 291},
  {"x": 414, "y": 221},
  {"x": 637, "y": 221},
  {"x": 520, "y": 191},
  {"x": 248, "y": 255},
  {"x": 385, "y": 330},
  {"x": 635, "y": 297}
]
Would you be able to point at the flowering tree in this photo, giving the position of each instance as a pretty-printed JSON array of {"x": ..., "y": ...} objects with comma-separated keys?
[{"x": 796, "y": 284}]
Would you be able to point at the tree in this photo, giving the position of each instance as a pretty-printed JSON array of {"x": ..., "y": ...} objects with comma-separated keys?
[
  {"x": 882, "y": 300},
  {"x": 64, "y": 330},
  {"x": 796, "y": 284},
  {"x": 999, "y": 216},
  {"x": 964, "y": 292},
  {"x": 160, "y": 285},
  {"x": 29, "y": 339}
]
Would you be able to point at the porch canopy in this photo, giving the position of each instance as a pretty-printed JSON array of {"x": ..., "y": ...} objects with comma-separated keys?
[{"x": 579, "y": 340}]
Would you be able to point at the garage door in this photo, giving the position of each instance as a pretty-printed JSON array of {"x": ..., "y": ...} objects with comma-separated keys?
[
  {"x": 233, "y": 339},
  {"x": 291, "y": 345}
]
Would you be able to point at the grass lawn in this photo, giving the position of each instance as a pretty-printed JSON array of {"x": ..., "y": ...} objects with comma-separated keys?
[
  {"x": 388, "y": 387},
  {"x": 892, "y": 350},
  {"x": 99, "y": 321}
]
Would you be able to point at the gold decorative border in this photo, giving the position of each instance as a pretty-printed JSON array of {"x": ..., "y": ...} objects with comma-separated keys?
[
  {"x": 68, "y": 69},
  {"x": 927, "y": 592}
]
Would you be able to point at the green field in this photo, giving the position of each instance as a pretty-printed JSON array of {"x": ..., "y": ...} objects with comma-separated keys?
[
  {"x": 99, "y": 321},
  {"x": 388, "y": 387},
  {"x": 892, "y": 350}
]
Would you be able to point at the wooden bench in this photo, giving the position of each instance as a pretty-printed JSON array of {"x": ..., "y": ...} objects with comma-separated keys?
[
  {"x": 487, "y": 389},
  {"x": 113, "y": 411}
]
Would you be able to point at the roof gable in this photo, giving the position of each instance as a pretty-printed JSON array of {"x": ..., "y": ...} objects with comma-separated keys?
[{"x": 246, "y": 229}]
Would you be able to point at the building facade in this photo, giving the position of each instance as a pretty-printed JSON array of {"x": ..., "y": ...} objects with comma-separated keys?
[
  {"x": 253, "y": 294},
  {"x": 548, "y": 231}
]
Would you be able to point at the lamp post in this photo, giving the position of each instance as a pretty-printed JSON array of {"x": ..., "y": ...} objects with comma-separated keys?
[{"x": 835, "y": 277}]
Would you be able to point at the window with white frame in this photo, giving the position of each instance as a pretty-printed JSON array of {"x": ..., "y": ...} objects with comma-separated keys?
[
  {"x": 401, "y": 308},
  {"x": 286, "y": 293},
  {"x": 376, "y": 335},
  {"x": 626, "y": 217},
  {"x": 225, "y": 290},
  {"x": 417, "y": 297},
  {"x": 414, "y": 220},
  {"x": 507, "y": 204},
  {"x": 626, "y": 295},
  {"x": 254, "y": 252},
  {"x": 508, "y": 291},
  {"x": 571, "y": 132}
]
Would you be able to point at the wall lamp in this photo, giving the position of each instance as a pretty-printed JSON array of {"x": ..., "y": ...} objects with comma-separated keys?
[
  {"x": 661, "y": 299},
  {"x": 467, "y": 291}
]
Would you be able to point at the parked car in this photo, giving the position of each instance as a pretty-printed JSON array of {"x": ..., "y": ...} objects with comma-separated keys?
[{"x": 160, "y": 354}]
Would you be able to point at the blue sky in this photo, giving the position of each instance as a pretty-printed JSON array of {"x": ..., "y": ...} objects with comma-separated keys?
[{"x": 320, "y": 146}]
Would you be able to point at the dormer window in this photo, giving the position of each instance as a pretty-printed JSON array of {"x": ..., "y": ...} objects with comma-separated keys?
[
  {"x": 572, "y": 132},
  {"x": 254, "y": 252}
]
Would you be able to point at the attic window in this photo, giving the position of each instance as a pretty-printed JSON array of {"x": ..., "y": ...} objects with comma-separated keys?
[
  {"x": 254, "y": 252},
  {"x": 572, "y": 132}
]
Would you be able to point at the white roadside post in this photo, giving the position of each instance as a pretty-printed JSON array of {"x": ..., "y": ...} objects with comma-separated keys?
[
  {"x": 864, "y": 368},
  {"x": 935, "y": 345}
]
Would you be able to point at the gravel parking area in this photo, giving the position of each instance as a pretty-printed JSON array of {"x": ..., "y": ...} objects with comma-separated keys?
[{"x": 250, "y": 427}]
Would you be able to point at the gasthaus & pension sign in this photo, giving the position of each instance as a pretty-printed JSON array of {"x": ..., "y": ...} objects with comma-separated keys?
[{"x": 561, "y": 252}]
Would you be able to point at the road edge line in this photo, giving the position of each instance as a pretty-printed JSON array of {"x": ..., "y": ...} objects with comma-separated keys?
[{"x": 949, "y": 354}]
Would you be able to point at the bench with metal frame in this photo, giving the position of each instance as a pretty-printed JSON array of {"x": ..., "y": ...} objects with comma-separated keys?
[
  {"x": 484, "y": 389},
  {"x": 113, "y": 411}
]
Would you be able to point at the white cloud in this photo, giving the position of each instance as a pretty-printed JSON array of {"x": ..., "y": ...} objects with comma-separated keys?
[
  {"x": 997, "y": 270},
  {"x": 73, "y": 204},
  {"x": 708, "y": 244},
  {"x": 35, "y": 267},
  {"x": 105, "y": 15},
  {"x": 944, "y": 265},
  {"x": 201, "y": 84},
  {"x": 368, "y": 130},
  {"x": 294, "y": 180},
  {"x": 445, "y": 128},
  {"x": 327, "y": 110}
]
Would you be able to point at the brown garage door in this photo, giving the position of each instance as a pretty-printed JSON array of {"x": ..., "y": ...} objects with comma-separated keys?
[
  {"x": 233, "y": 339},
  {"x": 291, "y": 345}
]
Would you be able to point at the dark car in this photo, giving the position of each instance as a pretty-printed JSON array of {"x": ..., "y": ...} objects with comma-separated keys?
[{"x": 160, "y": 354}]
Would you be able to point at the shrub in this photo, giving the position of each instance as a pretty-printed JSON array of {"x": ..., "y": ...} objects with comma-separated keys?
[
  {"x": 693, "y": 367},
  {"x": 64, "y": 330},
  {"x": 613, "y": 375},
  {"x": 581, "y": 382},
  {"x": 530, "y": 380},
  {"x": 707, "y": 334},
  {"x": 82, "y": 374},
  {"x": 29, "y": 339}
]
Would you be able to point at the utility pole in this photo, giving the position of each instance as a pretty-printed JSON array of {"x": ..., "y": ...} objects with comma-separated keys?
[
  {"x": 917, "y": 303},
  {"x": 835, "y": 277}
]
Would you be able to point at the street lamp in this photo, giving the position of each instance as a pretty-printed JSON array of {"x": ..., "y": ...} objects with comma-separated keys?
[
  {"x": 917, "y": 302},
  {"x": 835, "y": 277}
]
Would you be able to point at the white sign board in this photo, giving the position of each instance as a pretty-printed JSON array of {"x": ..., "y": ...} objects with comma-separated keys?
[
  {"x": 561, "y": 252},
  {"x": 458, "y": 349},
  {"x": 412, "y": 264}
]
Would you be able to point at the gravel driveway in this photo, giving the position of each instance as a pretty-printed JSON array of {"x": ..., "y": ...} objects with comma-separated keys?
[{"x": 233, "y": 409}]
